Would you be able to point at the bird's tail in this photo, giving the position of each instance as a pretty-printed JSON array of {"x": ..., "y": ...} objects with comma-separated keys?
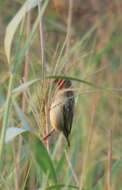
[{"x": 68, "y": 142}]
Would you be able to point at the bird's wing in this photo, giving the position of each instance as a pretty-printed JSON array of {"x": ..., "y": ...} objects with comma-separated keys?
[{"x": 68, "y": 110}]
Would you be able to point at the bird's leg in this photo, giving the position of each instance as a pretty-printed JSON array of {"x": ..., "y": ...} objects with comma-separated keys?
[{"x": 49, "y": 134}]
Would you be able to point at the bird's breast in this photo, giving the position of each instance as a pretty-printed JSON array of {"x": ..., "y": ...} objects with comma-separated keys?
[{"x": 56, "y": 112}]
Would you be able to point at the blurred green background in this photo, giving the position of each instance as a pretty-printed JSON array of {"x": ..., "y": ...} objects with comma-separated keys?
[{"x": 69, "y": 38}]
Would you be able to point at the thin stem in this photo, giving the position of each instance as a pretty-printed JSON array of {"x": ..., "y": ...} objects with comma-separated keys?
[
  {"x": 45, "y": 100},
  {"x": 6, "y": 116},
  {"x": 27, "y": 61},
  {"x": 89, "y": 142},
  {"x": 49, "y": 134},
  {"x": 24, "y": 103},
  {"x": 69, "y": 24},
  {"x": 109, "y": 168},
  {"x": 41, "y": 41},
  {"x": 72, "y": 169}
]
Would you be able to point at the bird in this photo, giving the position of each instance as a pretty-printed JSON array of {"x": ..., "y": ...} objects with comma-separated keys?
[{"x": 62, "y": 107}]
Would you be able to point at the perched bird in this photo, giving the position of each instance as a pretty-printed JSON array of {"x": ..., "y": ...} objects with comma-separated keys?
[{"x": 62, "y": 107}]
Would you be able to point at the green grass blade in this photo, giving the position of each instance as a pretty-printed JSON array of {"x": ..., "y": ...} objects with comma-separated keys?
[{"x": 43, "y": 158}]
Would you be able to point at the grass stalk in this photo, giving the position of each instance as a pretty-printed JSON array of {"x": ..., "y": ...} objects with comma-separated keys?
[
  {"x": 24, "y": 105},
  {"x": 109, "y": 167},
  {"x": 69, "y": 25},
  {"x": 42, "y": 50},
  {"x": 6, "y": 116}
]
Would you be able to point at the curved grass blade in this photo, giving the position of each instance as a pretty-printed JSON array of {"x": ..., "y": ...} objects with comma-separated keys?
[
  {"x": 13, "y": 132},
  {"x": 23, "y": 87},
  {"x": 85, "y": 82},
  {"x": 12, "y": 27},
  {"x": 73, "y": 79}
]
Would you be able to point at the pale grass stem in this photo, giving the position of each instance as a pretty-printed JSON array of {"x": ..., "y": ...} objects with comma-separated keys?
[{"x": 6, "y": 116}]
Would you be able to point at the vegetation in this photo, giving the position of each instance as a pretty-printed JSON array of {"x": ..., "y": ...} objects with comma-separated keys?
[{"x": 70, "y": 39}]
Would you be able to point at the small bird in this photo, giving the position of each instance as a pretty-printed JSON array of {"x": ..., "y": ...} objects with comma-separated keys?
[{"x": 62, "y": 107}]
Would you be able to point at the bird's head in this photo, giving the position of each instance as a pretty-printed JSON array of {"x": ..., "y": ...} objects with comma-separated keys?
[{"x": 62, "y": 83}]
